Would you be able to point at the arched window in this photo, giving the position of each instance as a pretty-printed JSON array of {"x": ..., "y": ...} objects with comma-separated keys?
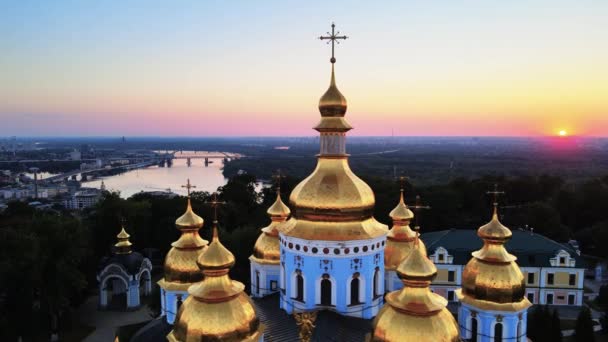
[
  {"x": 326, "y": 290},
  {"x": 257, "y": 282},
  {"x": 299, "y": 287},
  {"x": 376, "y": 281},
  {"x": 473, "y": 329},
  {"x": 354, "y": 290},
  {"x": 498, "y": 332},
  {"x": 283, "y": 277}
]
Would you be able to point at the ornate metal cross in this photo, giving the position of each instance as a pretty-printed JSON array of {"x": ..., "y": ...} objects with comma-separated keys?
[
  {"x": 189, "y": 186},
  {"x": 495, "y": 194},
  {"x": 402, "y": 180},
  {"x": 215, "y": 204},
  {"x": 417, "y": 207},
  {"x": 278, "y": 177},
  {"x": 333, "y": 38}
]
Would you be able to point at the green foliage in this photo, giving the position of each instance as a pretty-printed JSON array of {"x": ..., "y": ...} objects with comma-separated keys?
[
  {"x": 544, "y": 325},
  {"x": 41, "y": 268},
  {"x": 583, "y": 332}
]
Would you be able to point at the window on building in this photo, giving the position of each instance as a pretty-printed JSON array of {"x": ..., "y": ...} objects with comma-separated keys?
[
  {"x": 531, "y": 297},
  {"x": 451, "y": 296},
  {"x": 273, "y": 285},
  {"x": 572, "y": 280},
  {"x": 550, "y": 278},
  {"x": 571, "y": 299},
  {"x": 473, "y": 329},
  {"x": 354, "y": 291},
  {"x": 498, "y": 332},
  {"x": 451, "y": 275},
  {"x": 549, "y": 298},
  {"x": 326, "y": 290},
  {"x": 440, "y": 257},
  {"x": 300, "y": 288},
  {"x": 562, "y": 260},
  {"x": 530, "y": 278},
  {"x": 376, "y": 282},
  {"x": 257, "y": 282}
]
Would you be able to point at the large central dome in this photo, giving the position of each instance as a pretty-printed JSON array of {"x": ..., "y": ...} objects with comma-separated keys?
[{"x": 333, "y": 204}]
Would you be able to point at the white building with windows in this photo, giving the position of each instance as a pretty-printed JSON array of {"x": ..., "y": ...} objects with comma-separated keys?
[{"x": 553, "y": 272}]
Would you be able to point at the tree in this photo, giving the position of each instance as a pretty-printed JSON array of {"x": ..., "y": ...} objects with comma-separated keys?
[
  {"x": 583, "y": 332},
  {"x": 555, "y": 334}
]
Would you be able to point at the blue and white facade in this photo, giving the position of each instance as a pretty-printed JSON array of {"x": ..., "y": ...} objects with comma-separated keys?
[
  {"x": 343, "y": 276},
  {"x": 264, "y": 278},
  {"x": 490, "y": 326}
]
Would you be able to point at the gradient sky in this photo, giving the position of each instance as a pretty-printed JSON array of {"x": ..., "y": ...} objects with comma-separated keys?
[{"x": 199, "y": 68}]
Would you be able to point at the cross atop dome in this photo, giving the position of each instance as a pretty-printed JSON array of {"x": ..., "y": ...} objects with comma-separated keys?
[
  {"x": 188, "y": 186},
  {"x": 333, "y": 38}
]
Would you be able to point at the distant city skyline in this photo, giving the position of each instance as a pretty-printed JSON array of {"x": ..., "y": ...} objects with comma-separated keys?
[{"x": 416, "y": 68}]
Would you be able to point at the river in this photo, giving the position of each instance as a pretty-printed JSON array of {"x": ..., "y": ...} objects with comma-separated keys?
[{"x": 155, "y": 178}]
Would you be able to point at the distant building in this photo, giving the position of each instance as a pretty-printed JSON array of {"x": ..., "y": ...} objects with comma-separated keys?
[
  {"x": 83, "y": 199},
  {"x": 553, "y": 272},
  {"x": 75, "y": 155}
]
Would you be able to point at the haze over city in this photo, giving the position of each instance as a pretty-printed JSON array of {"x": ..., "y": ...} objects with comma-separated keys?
[{"x": 478, "y": 68}]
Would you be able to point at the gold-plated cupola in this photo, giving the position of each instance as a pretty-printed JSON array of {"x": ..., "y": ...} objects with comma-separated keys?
[{"x": 414, "y": 313}]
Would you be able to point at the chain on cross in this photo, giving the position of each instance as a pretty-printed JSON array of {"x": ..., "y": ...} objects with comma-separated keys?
[
  {"x": 333, "y": 38},
  {"x": 189, "y": 186}
]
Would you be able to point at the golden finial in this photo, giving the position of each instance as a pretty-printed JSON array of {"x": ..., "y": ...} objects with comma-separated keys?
[
  {"x": 278, "y": 177},
  {"x": 306, "y": 324},
  {"x": 123, "y": 246},
  {"x": 333, "y": 38}
]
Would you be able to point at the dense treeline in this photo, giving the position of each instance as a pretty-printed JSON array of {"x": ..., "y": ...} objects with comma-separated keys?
[{"x": 48, "y": 258}]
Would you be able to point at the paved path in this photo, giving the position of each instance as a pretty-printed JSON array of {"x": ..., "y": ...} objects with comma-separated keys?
[{"x": 106, "y": 322}]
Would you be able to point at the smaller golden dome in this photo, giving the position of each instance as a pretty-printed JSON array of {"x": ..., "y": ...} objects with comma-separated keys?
[
  {"x": 180, "y": 268},
  {"x": 414, "y": 313},
  {"x": 491, "y": 279},
  {"x": 494, "y": 229},
  {"x": 332, "y": 103},
  {"x": 123, "y": 246},
  {"x": 189, "y": 220},
  {"x": 401, "y": 238},
  {"x": 401, "y": 211},
  {"x": 267, "y": 249},
  {"x": 216, "y": 309},
  {"x": 215, "y": 256},
  {"x": 278, "y": 208}
]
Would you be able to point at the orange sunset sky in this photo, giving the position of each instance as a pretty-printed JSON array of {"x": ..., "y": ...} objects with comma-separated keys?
[{"x": 255, "y": 68}]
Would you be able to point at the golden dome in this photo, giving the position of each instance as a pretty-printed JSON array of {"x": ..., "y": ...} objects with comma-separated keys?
[
  {"x": 181, "y": 269},
  {"x": 332, "y": 103},
  {"x": 278, "y": 208},
  {"x": 267, "y": 247},
  {"x": 414, "y": 313},
  {"x": 189, "y": 220},
  {"x": 216, "y": 308},
  {"x": 123, "y": 246},
  {"x": 401, "y": 238},
  {"x": 333, "y": 204},
  {"x": 401, "y": 211},
  {"x": 215, "y": 256},
  {"x": 491, "y": 279}
]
